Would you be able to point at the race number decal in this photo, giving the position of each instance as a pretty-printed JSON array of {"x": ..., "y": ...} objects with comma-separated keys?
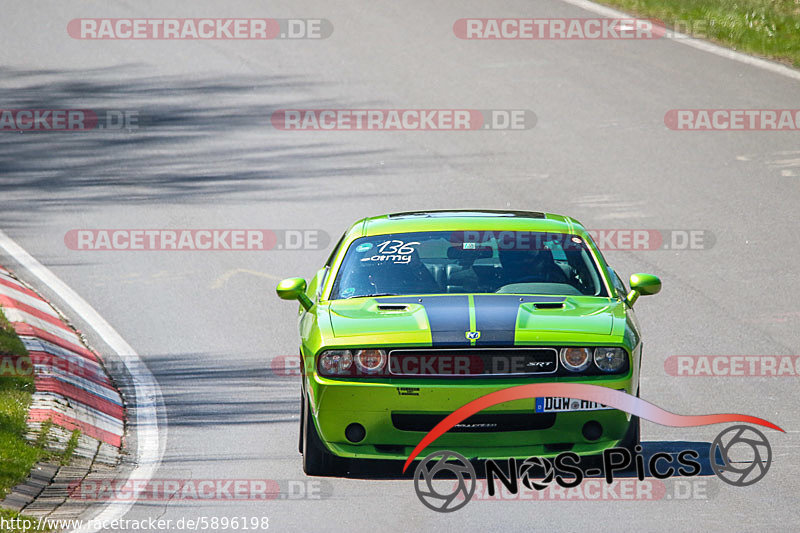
[{"x": 393, "y": 251}]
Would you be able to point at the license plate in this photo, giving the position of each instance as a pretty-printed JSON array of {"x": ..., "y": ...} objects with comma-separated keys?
[{"x": 563, "y": 405}]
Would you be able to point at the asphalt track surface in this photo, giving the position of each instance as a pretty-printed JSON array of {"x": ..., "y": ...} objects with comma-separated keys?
[{"x": 208, "y": 324}]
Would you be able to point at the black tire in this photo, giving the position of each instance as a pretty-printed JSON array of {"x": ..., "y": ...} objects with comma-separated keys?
[
  {"x": 317, "y": 460},
  {"x": 302, "y": 419},
  {"x": 633, "y": 436}
]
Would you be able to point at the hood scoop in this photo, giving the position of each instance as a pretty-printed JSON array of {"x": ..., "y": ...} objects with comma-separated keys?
[
  {"x": 392, "y": 307},
  {"x": 408, "y": 321},
  {"x": 548, "y": 305}
]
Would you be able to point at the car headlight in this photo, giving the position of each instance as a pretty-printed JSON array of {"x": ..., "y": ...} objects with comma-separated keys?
[
  {"x": 610, "y": 359},
  {"x": 576, "y": 359},
  {"x": 336, "y": 362},
  {"x": 370, "y": 361}
]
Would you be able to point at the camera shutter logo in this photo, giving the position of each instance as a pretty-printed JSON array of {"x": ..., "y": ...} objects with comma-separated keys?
[
  {"x": 744, "y": 473},
  {"x": 453, "y": 463},
  {"x": 536, "y": 464}
]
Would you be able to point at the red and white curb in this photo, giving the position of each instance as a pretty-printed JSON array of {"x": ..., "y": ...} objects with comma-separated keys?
[
  {"x": 145, "y": 413},
  {"x": 72, "y": 389}
]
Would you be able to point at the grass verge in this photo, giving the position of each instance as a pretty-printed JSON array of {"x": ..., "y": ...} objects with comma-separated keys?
[
  {"x": 768, "y": 28},
  {"x": 22, "y": 524},
  {"x": 17, "y": 455}
]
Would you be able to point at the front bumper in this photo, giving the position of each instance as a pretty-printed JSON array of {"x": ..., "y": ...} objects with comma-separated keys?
[{"x": 372, "y": 404}]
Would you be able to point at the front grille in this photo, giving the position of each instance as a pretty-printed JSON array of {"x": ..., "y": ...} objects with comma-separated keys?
[
  {"x": 479, "y": 423},
  {"x": 465, "y": 362}
]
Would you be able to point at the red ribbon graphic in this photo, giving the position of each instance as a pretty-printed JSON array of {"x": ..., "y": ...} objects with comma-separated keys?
[{"x": 593, "y": 393}]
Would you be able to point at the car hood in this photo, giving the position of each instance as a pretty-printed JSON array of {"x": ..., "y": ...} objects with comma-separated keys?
[{"x": 501, "y": 319}]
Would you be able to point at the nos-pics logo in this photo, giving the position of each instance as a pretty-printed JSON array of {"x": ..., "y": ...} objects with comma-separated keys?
[{"x": 444, "y": 496}]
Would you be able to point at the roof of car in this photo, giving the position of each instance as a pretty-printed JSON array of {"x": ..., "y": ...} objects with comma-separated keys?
[{"x": 467, "y": 219}]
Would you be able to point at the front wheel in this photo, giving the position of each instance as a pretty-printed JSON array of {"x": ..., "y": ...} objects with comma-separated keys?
[
  {"x": 633, "y": 436},
  {"x": 317, "y": 460},
  {"x": 302, "y": 422}
]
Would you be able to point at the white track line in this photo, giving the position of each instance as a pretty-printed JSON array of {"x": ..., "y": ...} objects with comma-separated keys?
[
  {"x": 149, "y": 447},
  {"x": 700, "y": 44}
]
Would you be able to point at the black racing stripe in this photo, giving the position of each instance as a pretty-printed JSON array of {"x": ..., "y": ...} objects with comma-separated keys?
[
  {"x": 448, "y": 317},
  {"x": 496, "y": 316}
]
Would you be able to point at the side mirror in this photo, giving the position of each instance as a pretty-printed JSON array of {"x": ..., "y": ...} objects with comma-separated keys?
[
  {"x": 294, "y": 289},
  {"x": 642, "y": 285}
]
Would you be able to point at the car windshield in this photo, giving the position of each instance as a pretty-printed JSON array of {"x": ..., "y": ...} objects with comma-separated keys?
[{"x": 447, "y": 262}]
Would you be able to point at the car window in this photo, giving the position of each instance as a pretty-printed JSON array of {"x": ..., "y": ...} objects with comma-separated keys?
[{"x": 444, "y": 262}]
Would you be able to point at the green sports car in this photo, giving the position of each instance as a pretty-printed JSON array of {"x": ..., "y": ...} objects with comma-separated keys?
[{"x": 415, "y": 314}]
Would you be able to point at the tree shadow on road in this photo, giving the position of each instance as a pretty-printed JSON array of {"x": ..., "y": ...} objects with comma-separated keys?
[
  {"x": 218, "y": 390},
  {"x": 199, "y": 139}
]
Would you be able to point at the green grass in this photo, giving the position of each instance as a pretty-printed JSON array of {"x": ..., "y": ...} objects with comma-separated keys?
[
  {"x": 9, "y": 342},
  {"x": 71, "y": 445},
  {"x": 17, "y": 456},
  {"x": 44, "y": 430},
  {"x": 28, "y": 525},
  {"x": 769, "y": 28}
]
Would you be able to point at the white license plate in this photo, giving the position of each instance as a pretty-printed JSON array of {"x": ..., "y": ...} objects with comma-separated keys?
[{"x": 562, "y": 405}]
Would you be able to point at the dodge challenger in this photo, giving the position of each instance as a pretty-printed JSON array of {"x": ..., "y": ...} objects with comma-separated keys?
[{"x": 415, "y": 314}]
